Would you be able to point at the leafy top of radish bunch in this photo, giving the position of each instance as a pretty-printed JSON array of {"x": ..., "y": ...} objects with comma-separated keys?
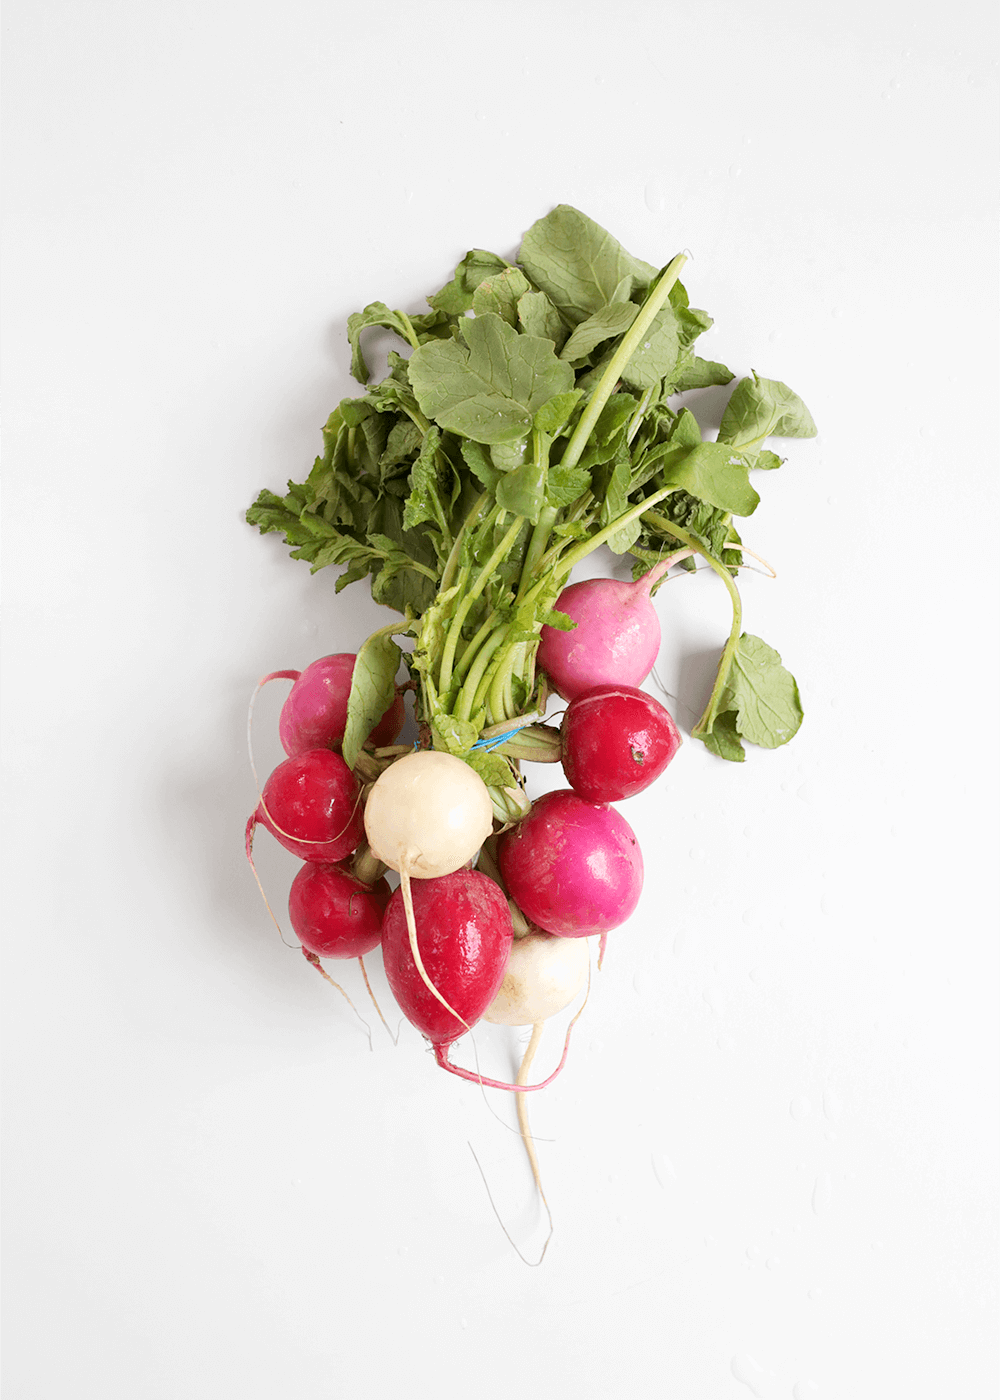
[{"x": 531, "y": 422}]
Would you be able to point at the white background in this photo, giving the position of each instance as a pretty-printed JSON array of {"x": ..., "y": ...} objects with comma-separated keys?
[{"x": 772, "y": 1157}]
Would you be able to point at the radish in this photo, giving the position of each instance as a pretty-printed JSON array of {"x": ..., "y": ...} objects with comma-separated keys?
[
  {"x": 314, "y": 714},
  {"x": 573, "y": 867},
  {"x": 335, "y": 915},
  {"x": 311, "y": 803},
  {"x": 465, "y": 935},
  {"x": 615, "y": 640},
  {"x": 544, "y": 973},
  {"x": 428, "y": 814},
  {"x": 616, "y": 740}
]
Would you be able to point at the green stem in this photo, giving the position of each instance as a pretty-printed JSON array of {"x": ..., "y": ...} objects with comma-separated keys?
[
  {"x": 465, "y": 705},
  {"x": 619, "y": 360},
  {"x": 451, "y": 564},
  {"x": 462, "y": 611},
  {"x": 469, "y": 653},
  {"x": 660, "y": 522},
  {"x": 536, "y": 545},
  {"x": 411, "y": 334}
]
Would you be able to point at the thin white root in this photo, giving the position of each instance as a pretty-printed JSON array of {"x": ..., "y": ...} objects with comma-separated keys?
[
  {"x": 364, "y": 974},
  {"x": 312, "y": 958},
  {"x": 522, "y": 1109},
  {"x": 745, "y": 549}
]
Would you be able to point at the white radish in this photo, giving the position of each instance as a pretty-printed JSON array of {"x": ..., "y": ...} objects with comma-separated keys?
[
  {"x": 429, "y": 812},
  {"x": 544, "y": 974},
  {"x": 427, "y": 816}
]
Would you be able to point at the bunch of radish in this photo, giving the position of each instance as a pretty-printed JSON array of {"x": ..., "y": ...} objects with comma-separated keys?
[{"x": 503, "y": 941}]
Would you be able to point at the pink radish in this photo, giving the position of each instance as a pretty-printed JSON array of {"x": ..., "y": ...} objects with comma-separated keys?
[
  {"x": 314, "y": 714},
  {"x": 335, "y": 915},
  {"x": 311, "y": 803},
  {"x": 616, "y": 740},
  {"x": 616, "y": 638},
  {"x": 572, "y": 867}
]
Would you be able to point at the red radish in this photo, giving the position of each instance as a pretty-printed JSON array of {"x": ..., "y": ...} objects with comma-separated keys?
[
  {"x": 314, "y": 715},
  {"x": 571, "y": 866},
  {"x": 311, "y": 803},
  {"x": 616, "y": 740},
  {"x": 464, "y": 934},
  {"x": 615, "y": 640},
  {"x": 335, "y": 915}
]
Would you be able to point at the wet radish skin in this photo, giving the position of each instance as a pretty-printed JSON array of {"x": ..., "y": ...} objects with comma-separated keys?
[
  {"x": 334, "y": 914},
  {"x": 573, "y": 867},
  {"x": 464, "y": 934},
  {"x": 314, "y": 714},
  {"x": 616, "y": 740},
  {"x": 311, "y": 804}
]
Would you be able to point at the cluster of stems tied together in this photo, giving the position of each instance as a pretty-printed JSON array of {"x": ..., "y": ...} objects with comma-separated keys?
[{"x": 477, "y": 675}]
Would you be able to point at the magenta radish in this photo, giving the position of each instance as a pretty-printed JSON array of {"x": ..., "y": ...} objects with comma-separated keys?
[
  {"x": 335, "y": 915},
  {"x": 572, "y": 867},
  {"x": 464, "y": 935},
  {"x": 311, "y": 803},
  {"x": 615, "y": 640},
  {"x": 314, "y": 714},
  {"x": 616, "y": 740},
  {"x": 544, "y": 973}
]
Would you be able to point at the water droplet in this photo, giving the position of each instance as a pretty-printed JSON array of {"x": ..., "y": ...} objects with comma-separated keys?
[
  {"x": 808, "y": 792},
  {"x": 715, "y": 998},
  {"x": 465, "y": 1323},
  {"x": 822, "y": 1192},
  {"x": 750, "y": 1373},
  {"x": 774, "y": 1262},
  {"x": 735, "y": 171},
  {"x": 403, "y": 1249},
  {"x": 439, "y": 1278},
  {"x": 655, "y": 198},
  {"x": 663, "y": 1168},
  {"x": 726, "y": 1042},
  {"x": 680, "y": 942},
  {"x": 641, "y": 983},
  {"x": 814, "y": 1294},
  {"x": 774, "y": 336},
  {"x": 753, "y": 1252},
  {"x": 805, "y": 1390},
  {"x": 833, "y": 1106},
  {"x": 800, "y": 1107}
]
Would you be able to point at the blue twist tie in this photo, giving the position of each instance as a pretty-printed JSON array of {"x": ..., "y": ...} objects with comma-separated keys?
[{"x": 488, "y": 745}]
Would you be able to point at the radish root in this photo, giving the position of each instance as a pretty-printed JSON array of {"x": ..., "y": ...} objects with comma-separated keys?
[
  {"x": 312, "y": 958},
  {"x": 364, "y": 974},
  {"x": 411, "y": 928}
]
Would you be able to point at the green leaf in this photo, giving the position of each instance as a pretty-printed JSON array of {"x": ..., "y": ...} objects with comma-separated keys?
[
  {"x": 480, "y": 462},
  {"x": 373, "y": 689},
  {"x": 577, "y": 264},
  {"x": 559, "y": 620},
  {"x": 701, "y": 374},
  {"x": 375, "y": 314},
  {"x": 762, "y": 694},
  {"x": 490, "y": 388},
  {"x": 522, "y": 492},
  {"x": 537, "y": 316},
  {"x": 553, "y": 416},
  {"x": 723, "y": 740},
  {"x": 501, "y": 293},
  {"x": 566, "y": 484},
  {"x": 451, "y": 735},
  {"x": 494, "y": 770},
  {"x": 611, "y": 321},
  {"x": 760, "y": 408},
  {"x": 713, "y": 472},
  {"x": 766, "y": 461},
  {"x": 423, "y": 502},
  {"x": 456, "y": 297}
]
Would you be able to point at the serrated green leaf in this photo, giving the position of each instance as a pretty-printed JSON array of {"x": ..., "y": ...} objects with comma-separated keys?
[
  {"x": 375, "y": 314},
  {"x": 455, "y": 298},
  {"x": 451, "y": 735},
  {"x": 490, "y": 388},
  {"x": 553, "y": 416},
  {"x": 763, "y": 695},
  {"x": 494, "y": 770}
]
